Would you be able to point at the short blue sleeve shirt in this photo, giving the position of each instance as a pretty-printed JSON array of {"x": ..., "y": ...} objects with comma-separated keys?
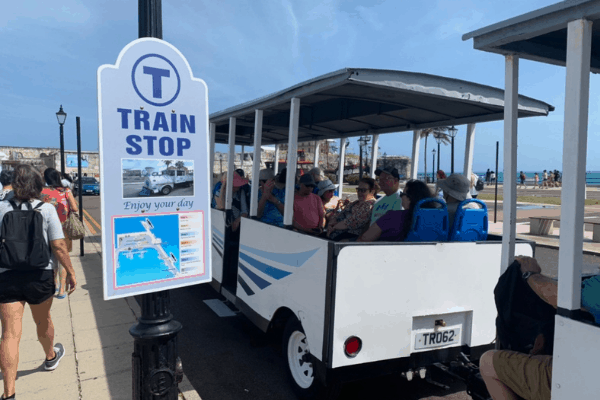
[{"x": 271, "y": 214}]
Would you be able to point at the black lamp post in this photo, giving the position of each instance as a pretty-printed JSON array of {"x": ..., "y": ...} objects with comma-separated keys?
[
  {"x": 432, "y": 167},
  {"x": 452, "y": 132},
  {"x": 438, "y": 139},
  {"x": 156, "y": 367},
  {"x": 61, "y": 116},
  {"x": 362, "y": 141}
]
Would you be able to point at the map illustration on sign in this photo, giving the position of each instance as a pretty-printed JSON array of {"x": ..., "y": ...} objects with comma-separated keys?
[{"x": 150, "y": 248}]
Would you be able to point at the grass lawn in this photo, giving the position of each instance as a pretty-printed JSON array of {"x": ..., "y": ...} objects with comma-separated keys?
[{"x": 535, "y": 199}]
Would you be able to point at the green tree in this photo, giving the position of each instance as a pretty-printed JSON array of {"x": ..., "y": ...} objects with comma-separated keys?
[{"x": 179, "y": 165}]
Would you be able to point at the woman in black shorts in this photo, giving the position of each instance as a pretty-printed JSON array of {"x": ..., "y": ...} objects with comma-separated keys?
[{"x": 35, "y": 287}]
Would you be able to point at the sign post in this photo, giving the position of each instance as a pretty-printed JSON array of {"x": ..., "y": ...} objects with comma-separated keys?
[{"x": 154, "y": 146}]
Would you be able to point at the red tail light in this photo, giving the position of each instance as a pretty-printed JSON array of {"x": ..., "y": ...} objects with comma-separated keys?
[{"x": 352, "y": 346}]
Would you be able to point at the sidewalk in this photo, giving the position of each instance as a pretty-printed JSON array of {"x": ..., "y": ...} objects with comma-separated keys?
[{"x": 95, "y": 334}]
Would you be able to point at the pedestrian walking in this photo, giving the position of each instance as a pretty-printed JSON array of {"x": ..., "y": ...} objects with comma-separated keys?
[
  {"x": 536, "y": 179},
  {"x": 62, "y": 199},
  {"x": 26, "y": 272},
  {"x": 522, "y": 178},
  {"x": 544, "y": 180},
  {"x": 6, "y": 177},
  {"x": 492, "y": 177},
  {"x": 488, "y": 175}
]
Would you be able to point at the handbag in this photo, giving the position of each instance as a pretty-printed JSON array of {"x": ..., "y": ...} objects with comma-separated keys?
[{"x": 73, "y": 227}]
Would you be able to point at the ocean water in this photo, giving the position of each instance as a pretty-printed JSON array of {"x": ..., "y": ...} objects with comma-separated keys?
[{"x": 592, "y": 178}]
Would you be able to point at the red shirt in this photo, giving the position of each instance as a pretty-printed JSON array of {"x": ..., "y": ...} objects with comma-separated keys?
[
  {"x": 58, "y": 198},
  {"x": 308, "y": 211}
]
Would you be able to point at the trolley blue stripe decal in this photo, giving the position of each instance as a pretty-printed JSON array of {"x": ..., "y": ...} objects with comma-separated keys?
[
  {"x": 265, "y": 268},
  {"x": 260, "y": 282},
  {"x": 291, "y": 259},
  {"x": 219, "y": 241},
  {"x": 245, "y": 286},
  {"x": 216, "y": 232}
]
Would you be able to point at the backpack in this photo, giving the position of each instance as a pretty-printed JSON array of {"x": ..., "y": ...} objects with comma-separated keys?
[
  {"x": 479, "y": 184},
  {"x": 22, "y": 243}
]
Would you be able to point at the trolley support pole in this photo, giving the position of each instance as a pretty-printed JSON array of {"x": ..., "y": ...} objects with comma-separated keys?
[{"x": 80, "y": 186}]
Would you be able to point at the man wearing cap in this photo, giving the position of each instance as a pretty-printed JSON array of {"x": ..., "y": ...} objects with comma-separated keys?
[
  {"x": 456, "y": 189},
  {"x": 309, "y": 216},
  {"x": 390, "y": 184},
  {"x": 271, "y": 198},
  {"x": 509, "y": 374}
]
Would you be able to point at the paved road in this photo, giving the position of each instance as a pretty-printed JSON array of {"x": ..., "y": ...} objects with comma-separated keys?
[{"x": 228, "y": 358}]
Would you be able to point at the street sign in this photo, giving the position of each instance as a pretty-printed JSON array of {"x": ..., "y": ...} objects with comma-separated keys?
[{"x": 154, "y": 171}]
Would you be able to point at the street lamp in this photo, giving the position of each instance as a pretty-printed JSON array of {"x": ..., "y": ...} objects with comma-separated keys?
[
  {"x": 452, "y": 132},
  {"x": 61, "y": 116},
  {"x": 432, "y": 167},
  {"x": 438, "y": 138},
  {"x": 362, "y": 141}
]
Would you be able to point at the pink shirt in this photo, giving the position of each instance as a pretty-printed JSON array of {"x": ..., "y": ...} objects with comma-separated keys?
[{"x": 308, "y": 211}]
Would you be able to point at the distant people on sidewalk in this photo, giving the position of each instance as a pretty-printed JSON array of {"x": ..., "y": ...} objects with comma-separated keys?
[
  {"x": 550, "y": 179},
  {"x": 544, "y": 179},
  {"x": 522, "y": 178},
  {"x": 62, "y": 199},
  {"x": 488, "y": 175},
  {"x": 536, "y": 179},
  {"x": 6, "y": 177},
  {"x": 557, "y": 178},
  {"x": 492, "y": 177},
  {"x": 23, "y": 284}
]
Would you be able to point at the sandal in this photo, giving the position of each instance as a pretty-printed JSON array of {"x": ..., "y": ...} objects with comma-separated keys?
[{"x": 59, "y": 296}]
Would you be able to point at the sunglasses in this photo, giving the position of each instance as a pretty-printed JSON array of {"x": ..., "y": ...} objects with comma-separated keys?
[{"x": 361, "y": 190}]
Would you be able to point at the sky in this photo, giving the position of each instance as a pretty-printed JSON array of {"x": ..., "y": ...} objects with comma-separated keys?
[{"x": 245, "y": 49}]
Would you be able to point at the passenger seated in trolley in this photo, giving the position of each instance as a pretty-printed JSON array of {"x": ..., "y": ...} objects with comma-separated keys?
[
  {"x": 271, "y": 197},
  {"x": 331, "y": 203},
  {"x": 309, "y": 216},
  {"x": 508, "y": 374},
  {"x": 356, "y": 216},
  {"x": 456, "y": 189},
  {"x": 390, "y": 184},
  {"x": 394, "y": 225},
  {"x": 239, "y": 207}
]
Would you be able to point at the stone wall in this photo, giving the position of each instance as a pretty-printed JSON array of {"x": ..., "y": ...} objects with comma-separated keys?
[{"x": 50, "y": 157}]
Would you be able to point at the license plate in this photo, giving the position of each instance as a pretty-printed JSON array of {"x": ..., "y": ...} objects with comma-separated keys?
[
  {"x": 89, "y": 191},
  {"x": 437, "y": 338}
]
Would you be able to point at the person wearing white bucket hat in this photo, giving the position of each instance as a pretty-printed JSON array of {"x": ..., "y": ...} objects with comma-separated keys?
[
  {"x": 325, "y": 190},
  {"x": 456, "y": 189}
]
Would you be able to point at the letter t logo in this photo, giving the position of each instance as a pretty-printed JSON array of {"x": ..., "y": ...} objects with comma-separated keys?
[{"x": 157, "y": 74}]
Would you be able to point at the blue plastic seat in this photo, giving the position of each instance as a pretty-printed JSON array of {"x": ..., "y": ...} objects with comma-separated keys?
[
  {"x": 429, "y": 224},
  {"x": 470, "y": 225}
]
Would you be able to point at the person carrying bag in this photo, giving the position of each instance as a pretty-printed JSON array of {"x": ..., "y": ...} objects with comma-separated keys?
[{"x": 62, "y": 199}]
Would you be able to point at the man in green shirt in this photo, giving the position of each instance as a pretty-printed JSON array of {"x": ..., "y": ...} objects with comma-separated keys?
[{"x": 390, "y": 184}]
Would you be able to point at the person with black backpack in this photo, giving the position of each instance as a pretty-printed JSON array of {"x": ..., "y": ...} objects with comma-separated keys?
[{"x": 31, "y": 241}]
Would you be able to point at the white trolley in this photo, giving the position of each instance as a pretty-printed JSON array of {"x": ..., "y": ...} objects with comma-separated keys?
[{"x": 354, "y": 310}]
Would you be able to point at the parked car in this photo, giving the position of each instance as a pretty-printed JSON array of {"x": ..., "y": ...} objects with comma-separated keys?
[
  {"x": 90, "y": 186},
  {"x": 165, "y": 181}
]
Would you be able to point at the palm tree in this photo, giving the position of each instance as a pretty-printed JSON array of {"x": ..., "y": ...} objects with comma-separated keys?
[
  {"x": 168, "y": 162},
  {"x": 438, "y": 131},
  {"x": 179, "y": 164}
]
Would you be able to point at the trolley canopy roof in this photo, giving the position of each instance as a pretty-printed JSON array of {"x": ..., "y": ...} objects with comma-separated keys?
[
  {"x": 541, "y": 35},
  {"x": 355, "y": 101}
]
